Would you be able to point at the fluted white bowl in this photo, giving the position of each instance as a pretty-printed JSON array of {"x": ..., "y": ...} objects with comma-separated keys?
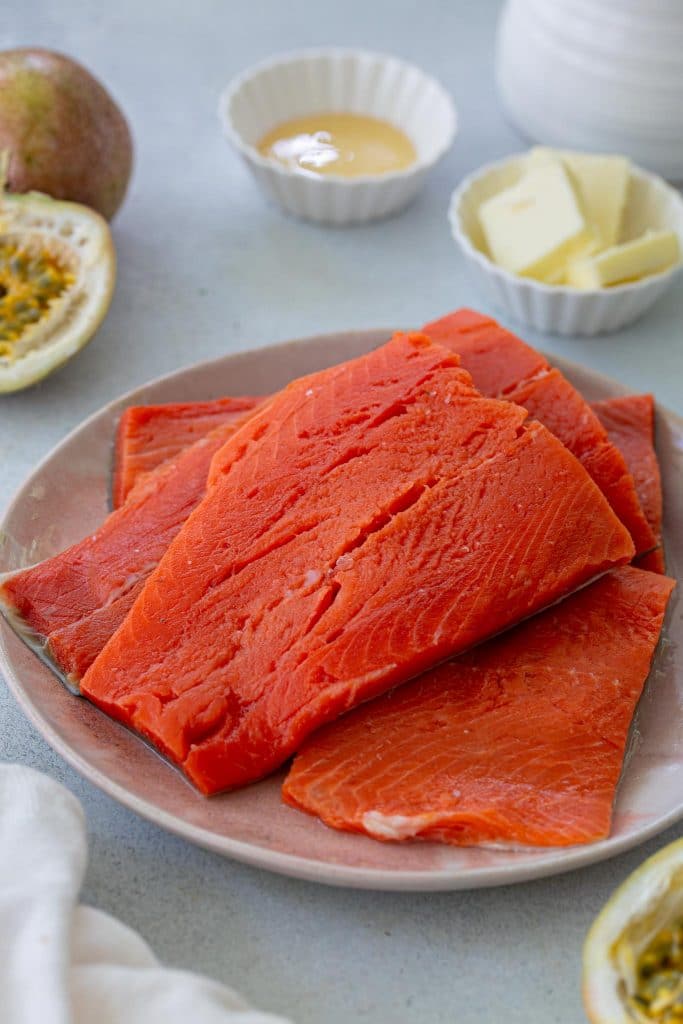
[
  {"x": 559, "y": 309},
  {"x": 352, "y": 81}
]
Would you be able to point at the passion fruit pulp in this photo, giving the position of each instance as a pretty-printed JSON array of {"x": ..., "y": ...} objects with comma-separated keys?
[
  {"x": 633, "y": 955},
  {"x": 659, "y": 992},
  {"x": 57, "y": 273}
]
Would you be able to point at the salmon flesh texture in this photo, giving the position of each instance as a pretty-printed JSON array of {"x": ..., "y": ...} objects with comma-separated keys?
[
  {"x": 503, "y": 366},
  {"x": 517, "y": 742},
  {"x": 629, "y": 422},
  {"x": 149, "y": 435},
  {"x": 373, "y": 519},
  {"x": 327, "y": 776},
  {"x": 147, "y": 439},
  {"x": 76, "y": 600}
]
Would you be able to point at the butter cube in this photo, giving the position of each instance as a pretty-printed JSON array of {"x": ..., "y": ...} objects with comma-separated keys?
[
  {"x": 601, "y": 182},
  {"x": 536, "y": 226},
  {"x": 654, "y": 252}
]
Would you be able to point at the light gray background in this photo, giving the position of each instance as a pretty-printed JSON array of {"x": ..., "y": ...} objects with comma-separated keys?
[{"x": 205, "y": 267}]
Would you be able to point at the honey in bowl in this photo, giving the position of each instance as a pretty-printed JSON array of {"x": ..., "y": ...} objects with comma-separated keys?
[{"x": 348, "y": 145}]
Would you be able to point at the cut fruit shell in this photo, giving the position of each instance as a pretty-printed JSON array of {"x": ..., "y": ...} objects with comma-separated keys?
[
  {"x": 632, "y": 957},
  {"x": 57, "y": 274}
]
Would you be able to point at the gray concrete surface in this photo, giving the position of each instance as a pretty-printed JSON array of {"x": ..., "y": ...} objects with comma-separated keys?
[{"x": 206, "y": 268}]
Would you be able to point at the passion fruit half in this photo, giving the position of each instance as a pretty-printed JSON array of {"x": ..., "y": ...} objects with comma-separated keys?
[
  {"x": 57, "y": 274},
  {"x": 633, "y": 954}
]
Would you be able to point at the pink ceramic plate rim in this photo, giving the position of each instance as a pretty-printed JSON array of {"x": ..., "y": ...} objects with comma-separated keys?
[{"x": 341, "y": 859}]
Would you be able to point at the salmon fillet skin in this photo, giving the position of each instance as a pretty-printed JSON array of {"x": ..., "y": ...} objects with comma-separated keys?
[
  {"x": 76, "y": 600},
  {"x": 149, "y": 435},
  {"x": 630, "y": 424},
  {"x": 503, "y": 366},
  {"x": 519, "y": 742},
  {"x": 373, "y": 519}
]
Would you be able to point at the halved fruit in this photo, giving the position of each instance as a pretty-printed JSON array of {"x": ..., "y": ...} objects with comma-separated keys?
[
  {"x": 57, "y": 274},
  {"x": 633, "y": 954}
]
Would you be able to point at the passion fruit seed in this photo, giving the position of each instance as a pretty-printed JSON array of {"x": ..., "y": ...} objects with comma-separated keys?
[
  {"x": 659, "y": 995},
  {"x": 57, "y": 273},
  {"x": 29, "y": 283}
]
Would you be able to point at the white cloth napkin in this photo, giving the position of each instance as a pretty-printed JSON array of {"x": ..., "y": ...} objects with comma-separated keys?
[{"x": 61, "y": 963}]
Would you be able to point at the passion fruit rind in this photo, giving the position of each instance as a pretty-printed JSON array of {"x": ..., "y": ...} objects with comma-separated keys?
[
  {"x": 633, "y": 955},
  {"x": 57, "y": 275},
  {"x": 65, "y": 133}
]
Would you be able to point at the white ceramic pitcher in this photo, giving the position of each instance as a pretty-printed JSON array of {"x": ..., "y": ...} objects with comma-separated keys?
[{"x": 603, "y": 75}]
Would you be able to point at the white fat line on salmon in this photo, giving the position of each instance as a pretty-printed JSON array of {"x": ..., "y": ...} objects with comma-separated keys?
[{"x": 394, "y": 826}]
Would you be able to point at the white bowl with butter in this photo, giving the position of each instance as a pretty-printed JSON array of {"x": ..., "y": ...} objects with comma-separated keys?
[
  {"x": 306, "y": 123},
  {"x": 579, "y": 250}
]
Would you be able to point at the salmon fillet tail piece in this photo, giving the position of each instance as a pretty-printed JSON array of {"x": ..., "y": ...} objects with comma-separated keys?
[
  {"x": 503, "y": 366},
  {"x": 375, "y": 518},
  {"x": 76, "y": 600},
  {"x": 518, "y": 742},
  {"x": 630, "y": 424},
  {"x": 149, "y": 435}
]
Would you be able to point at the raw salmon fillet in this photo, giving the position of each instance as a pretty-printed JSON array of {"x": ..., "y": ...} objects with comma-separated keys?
[
  {"x": 149, "y": 435},
  {"x": 75, "y": 646},
  {"x": 629, "y": 422},
  {"x": 653, "y": 560},
  {"x": 78, "y": 599},
  {"x": 503, "y": 366},
  {"x": 518, "y": 742},
  {"x": 373, "y": 519}
]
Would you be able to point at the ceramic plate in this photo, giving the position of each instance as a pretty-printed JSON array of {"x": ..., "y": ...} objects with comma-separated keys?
[{"x": 67, "y": 497}]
